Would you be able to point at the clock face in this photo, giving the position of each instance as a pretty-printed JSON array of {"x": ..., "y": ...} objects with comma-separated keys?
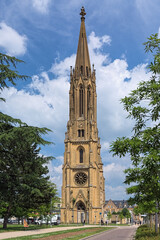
[{"x": 80, "y": 178}]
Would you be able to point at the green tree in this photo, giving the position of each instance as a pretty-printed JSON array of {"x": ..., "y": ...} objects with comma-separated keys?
[
  {"x": 7, "y": 74},
  {"x": 121, "y": 216},
  {"x": 143, "y": 105},
  {"x": 109, "y": 215},
  {"x": 126, "y": 213},
  {"x": 24, "y": 180}
]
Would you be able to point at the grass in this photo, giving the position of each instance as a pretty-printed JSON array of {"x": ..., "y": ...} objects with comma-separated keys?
[
  {"x": 145, "y": 233},
  {"x": 16, "y": 227},
  {"x": 79, "y": 236}
]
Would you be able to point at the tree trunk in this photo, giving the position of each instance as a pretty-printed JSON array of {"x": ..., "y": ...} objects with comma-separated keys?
[
  {"x": 156, "y": 218},
  {"x": 156, "y": 223},
  {"x": 6, "y": 218},
  {"x": 5, "y": 222},
  {"x": 151, "y": 221}
]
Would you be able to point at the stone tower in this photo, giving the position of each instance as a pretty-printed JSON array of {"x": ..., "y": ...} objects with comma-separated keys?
[{"x": 83, "y": 190}]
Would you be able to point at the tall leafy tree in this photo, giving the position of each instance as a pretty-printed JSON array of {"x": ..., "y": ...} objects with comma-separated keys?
[
  {"x": 143, "y": 105},
  {"x": 8, "y": 72},
  {"x": 24, "y": 180}
]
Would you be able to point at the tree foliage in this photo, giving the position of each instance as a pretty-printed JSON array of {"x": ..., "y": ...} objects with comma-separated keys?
[
  {"x": 24, "y": 180},
  {"x": 7, "y": 74},
  {"x": 143, "y": 147}
]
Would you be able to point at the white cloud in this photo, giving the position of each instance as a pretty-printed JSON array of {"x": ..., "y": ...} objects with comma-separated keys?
[
  {"x": 144, "y": 8},
  {"x": 46, "y": 103},
  {"x": 62, "y": 68},
  {"x": 115, "y": 193},
  {"x": 55, "y": 173},
  {"x": 114, "y": 174},
  {"x": 41, "y": 6},
  {"x": 105, "y": 146},
  {"x": 58, "y": 169},
  {"x": 97, "y": 42},
  {"x": 11, "y": 41},
  {"x": 60, "y": 158}
]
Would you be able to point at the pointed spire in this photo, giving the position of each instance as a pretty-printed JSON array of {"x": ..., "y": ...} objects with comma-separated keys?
[{"x": 82, "y": 65}]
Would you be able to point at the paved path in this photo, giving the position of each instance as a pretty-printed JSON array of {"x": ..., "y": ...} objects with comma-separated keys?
[
  {"x": 38, "y": 231},
  {"x": 121, "y": 231}
]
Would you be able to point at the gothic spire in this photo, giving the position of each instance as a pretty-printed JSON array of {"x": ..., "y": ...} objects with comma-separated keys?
[{"x": 82, "y": 65}]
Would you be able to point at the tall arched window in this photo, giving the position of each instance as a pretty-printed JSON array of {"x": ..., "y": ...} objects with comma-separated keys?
[
  {"x": 88, "y": 97},
  {"x": 81, "y": 96},
  {"x": 81, "y": 155}
]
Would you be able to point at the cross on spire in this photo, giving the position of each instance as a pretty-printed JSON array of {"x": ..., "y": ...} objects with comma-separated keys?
[{"x": 82, "y": 13}]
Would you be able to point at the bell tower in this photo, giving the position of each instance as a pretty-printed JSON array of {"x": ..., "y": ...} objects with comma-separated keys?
[{"x": 83, "y": 190}]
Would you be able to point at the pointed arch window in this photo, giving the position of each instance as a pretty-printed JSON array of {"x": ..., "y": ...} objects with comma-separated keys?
[
  {"x": 81, "y": 155},
  {"x": 81, "y": 69},
  {"x": 88, "y": 97},
  {"x": 87, "y": 71},
  {"x": 81, "y": 97}
]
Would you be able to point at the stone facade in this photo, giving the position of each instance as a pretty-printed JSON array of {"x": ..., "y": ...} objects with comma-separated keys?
[
  {"x": 117, "y": 206},
  {"x": 83, "y": 194}
]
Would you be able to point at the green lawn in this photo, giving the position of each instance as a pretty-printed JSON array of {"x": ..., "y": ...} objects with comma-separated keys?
[
  {"x": 145, "y": 233},
  {"x": 16, "y": 227},
  {"x": 79, "y": 236}
]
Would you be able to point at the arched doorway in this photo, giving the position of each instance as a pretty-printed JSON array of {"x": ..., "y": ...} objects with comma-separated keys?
[{"x": 81, "y": 209}]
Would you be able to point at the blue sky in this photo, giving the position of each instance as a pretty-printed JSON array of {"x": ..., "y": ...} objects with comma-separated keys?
[{"x": 44, "y": 33}]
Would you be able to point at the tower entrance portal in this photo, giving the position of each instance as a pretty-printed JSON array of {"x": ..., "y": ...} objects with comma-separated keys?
[{"x": 81, "y": 212}]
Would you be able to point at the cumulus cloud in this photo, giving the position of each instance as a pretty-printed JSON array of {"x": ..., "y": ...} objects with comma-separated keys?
[
  {"x": 96, "y": 42},
  {"x": 104, "y": 146},
  {"x": 58, "y": 169},
  {"x": 11, "y": 41},
  {"x": 55, "y": 173},
  {"x": 41, "y": 6},
  {"x": 115, "y": 193},
  {"x": 62, "y": 68},
  {"x": 60, "y": 158},
  {"x": 114, "y": 174},
  {"x": 46, "y": 103}
]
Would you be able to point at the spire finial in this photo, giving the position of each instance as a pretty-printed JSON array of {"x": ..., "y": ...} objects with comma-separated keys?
[{"x": 82, "y": 13}]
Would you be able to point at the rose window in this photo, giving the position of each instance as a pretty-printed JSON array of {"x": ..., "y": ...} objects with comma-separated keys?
[{"x": 80, "y": 178}]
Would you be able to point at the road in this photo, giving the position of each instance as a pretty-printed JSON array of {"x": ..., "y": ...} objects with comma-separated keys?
[{"x": 120, "y": 233}]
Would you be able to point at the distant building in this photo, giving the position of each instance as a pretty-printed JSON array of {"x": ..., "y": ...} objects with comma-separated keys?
[{"x": 117, "y": 206}]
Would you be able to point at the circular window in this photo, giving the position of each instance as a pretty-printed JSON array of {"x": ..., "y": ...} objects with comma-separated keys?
[{"x": 80, "y": 178}]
